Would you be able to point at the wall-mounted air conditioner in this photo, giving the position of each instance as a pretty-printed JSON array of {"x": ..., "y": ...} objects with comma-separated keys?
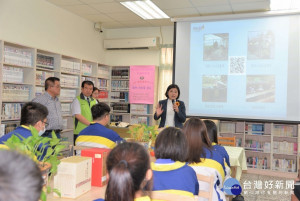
[{"x": 131, "y": 43}]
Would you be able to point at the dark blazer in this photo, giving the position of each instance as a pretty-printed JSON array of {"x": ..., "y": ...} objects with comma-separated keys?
[{"x": 178, "y": 117}]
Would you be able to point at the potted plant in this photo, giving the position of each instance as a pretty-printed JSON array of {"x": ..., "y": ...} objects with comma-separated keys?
[
  {"x": 44, "y": 151},
  {"x": 144, "y": 134}
]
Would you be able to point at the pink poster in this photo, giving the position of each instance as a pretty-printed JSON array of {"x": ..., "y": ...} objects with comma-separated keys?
[{"x": 141, "y": 84}]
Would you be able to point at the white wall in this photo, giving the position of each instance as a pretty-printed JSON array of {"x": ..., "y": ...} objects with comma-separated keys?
[
  {"x": 39, "y": 24},
  {"x": 137, "y": 57}
]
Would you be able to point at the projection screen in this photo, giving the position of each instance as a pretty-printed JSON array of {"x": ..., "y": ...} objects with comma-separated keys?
[{"x": 242, "y": 66}]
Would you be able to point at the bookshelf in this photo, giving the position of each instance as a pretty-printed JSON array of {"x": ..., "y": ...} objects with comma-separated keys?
[
  {"x": 122, "y": 110},
  {"x": 23, "y": 73},
  {"x": 268, "y": 146}
]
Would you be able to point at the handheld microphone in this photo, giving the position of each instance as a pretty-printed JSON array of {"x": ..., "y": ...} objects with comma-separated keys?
[{"x": 173, "y": 102}]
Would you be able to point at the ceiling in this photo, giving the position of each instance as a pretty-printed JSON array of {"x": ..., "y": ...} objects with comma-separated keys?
[{"x": 111, "y": 14}]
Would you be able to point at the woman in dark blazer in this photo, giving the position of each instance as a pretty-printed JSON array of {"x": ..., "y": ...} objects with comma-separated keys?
[{"x": 171, "y": 110}]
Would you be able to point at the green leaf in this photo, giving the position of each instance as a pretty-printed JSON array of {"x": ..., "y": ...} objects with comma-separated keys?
[
  {"x": 43, "y": 196},
  {"x": 55, "y": 190}
]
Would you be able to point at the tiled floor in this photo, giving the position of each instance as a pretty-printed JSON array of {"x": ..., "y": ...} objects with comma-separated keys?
[{"x": 266, "y": 193}]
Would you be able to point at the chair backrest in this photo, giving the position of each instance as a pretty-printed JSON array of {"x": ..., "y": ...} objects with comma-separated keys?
[
  {"x": 160, "y": 195},
  {"x": 229, "y": 141},
  {"x": 210, "y": 180}
]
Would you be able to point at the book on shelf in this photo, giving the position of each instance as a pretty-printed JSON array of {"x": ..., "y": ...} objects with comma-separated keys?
[
  {"x": 18, "y": 56},
  {"x": 258, "y": 146},
  {"x": 65, "y": 123},
  {"x": 116, "y": 118},
  {"x": 102, "y": 83},
  {"x": 121, "y": 108},
  {"x": 41, "y": 76},
  {"x": 66, "y": 108},
  {"x": 139, "y": 120},
  {"x": 88, "y": 79},
  {"x": 13, "y": 92},
  {"x": 39, "y": 91},
  {"x": 139, "y": 108},
  {"x": 103, "y": 71},
  {"x": 11, "y": 111},
  {"x": 70, "y": 66},
  {"x": 103, "y": 95},
  {"x": 255, "y": 129},
  {"x": 257, "y": 162},
  {"x": 2, "y": 129},
  {"x": 119, "y": 85},
  {"x": 12, "y": 74},
  {"x": 285, "y": 147},
  {"x": 119, "y": 95},
  {"x": 227, "y": 127},
  {"x": 44, "y": 61},
  {"x": 67, "y": 94},
  {"x": 69, "y": 80},
  {"x": 238, "y": 142},
  {"x": 87, "y": 69},
  {"x": 285, "y": 165},
  {"x": 6, "y": 128},
  {"x": 120, "y": 73},
  {"x": 285, "y": 131}
]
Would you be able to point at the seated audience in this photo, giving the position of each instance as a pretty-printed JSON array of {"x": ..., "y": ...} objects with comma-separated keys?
[
  {"x": 32, "y": 114},
  {"x": 20, "y": 177},
  {"x": 212, "y": 132},
  {"x": 170, "y": 171},
  {"x": 203, "y": 158},
  {"x": 96, "y": 134},
  {"x": 128, "y": 166}
]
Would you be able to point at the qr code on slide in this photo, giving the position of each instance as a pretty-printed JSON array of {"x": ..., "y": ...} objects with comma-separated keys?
[{"x": 237, "y": 65}]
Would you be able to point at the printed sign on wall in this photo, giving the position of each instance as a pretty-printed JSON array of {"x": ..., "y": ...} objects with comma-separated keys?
[{"x": 141, "y": 84}]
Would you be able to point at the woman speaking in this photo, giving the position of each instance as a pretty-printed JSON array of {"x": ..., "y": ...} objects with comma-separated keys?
[{"x": 171, "y": 110}]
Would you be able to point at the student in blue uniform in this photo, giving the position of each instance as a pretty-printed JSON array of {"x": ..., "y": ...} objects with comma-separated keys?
[
  {"x": 212, "y": 132},
  {"x": 203, "y": 158},
  {"x": 32, "y": 114},
  {"x": 170, "y": 171},
  {"x": 96, "y": 134},
  {"x": 128, "y": 166}
]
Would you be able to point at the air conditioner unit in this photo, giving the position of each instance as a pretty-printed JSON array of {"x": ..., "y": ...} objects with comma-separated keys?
[{"x": 131, "y": 43}]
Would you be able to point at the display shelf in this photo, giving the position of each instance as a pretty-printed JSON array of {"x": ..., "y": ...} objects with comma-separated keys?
[{"x": 272, "y": 146}]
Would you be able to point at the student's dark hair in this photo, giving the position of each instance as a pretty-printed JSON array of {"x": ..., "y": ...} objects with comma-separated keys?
[
  {"x": 212, "y": 130},
  {"x": 95, "y": 89},
  {"x": 100, "y": 110},
  {"x": 171, "y": 86},
  {"x": 127, "y": 165},
  {"x": 50, "y": 82},
  {"x": 87, "y": 82},
  {"x": 171, "y": 144},
  {"x": 20, "y": 177},
  {"x": 33, "y": 112},
  {"x": 197, "y": 138}
]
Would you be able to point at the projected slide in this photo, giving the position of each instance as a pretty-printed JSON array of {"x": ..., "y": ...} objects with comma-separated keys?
[{"x": 239, "y": 68}]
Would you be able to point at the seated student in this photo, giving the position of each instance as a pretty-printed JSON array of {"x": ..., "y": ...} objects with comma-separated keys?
[
  {"x": 32, "y": 114},
  {"x": 128, "y": 166},
  {"x": 212, "y": 132},
  {"x": 20, "y": 177},
  {"x": 170, "y": 171},
  {"x": 96, "y": 134},
  {"x": 202, "y": 157}
]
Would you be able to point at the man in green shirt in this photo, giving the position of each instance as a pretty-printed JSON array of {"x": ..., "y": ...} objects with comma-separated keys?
[{"x": 81, "y": 108}]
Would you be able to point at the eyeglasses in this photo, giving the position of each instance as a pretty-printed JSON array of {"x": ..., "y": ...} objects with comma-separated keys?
[{"x": 46, "y": 124}]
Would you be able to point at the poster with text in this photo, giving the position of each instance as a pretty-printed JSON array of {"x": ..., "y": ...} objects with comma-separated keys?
[{"x": 141, "y": 84}]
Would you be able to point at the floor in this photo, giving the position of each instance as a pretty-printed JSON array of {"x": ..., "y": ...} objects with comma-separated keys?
[{"x": 265, "y": 188}]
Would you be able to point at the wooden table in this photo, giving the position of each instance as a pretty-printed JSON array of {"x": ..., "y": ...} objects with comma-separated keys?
[
  {"x": 237, "y": 160},
  {"x": 93, "y": 194}
]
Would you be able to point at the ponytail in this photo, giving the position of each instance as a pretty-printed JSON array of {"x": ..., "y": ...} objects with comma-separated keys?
[{"x": 120, "y": 185}]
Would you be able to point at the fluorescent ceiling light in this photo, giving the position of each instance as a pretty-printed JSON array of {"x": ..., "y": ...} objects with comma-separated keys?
[
  {"x": 284, "y": 4},
  {"x": 146, "y": 9}
]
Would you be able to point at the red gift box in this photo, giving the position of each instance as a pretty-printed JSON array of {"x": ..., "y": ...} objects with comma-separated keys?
[{"x": 99, "y": 170}]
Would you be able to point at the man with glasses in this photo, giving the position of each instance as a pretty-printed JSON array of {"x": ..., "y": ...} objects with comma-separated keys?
[
  {"x": 96, "y": 134},
  {"x": 51, "y": 101},
  {"x": 32, "y": 114}
]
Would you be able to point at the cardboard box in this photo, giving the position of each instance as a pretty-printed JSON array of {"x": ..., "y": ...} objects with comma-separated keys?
[
  {"x": 99, "y": 170},
  {"x": 73, "y": 176}
]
